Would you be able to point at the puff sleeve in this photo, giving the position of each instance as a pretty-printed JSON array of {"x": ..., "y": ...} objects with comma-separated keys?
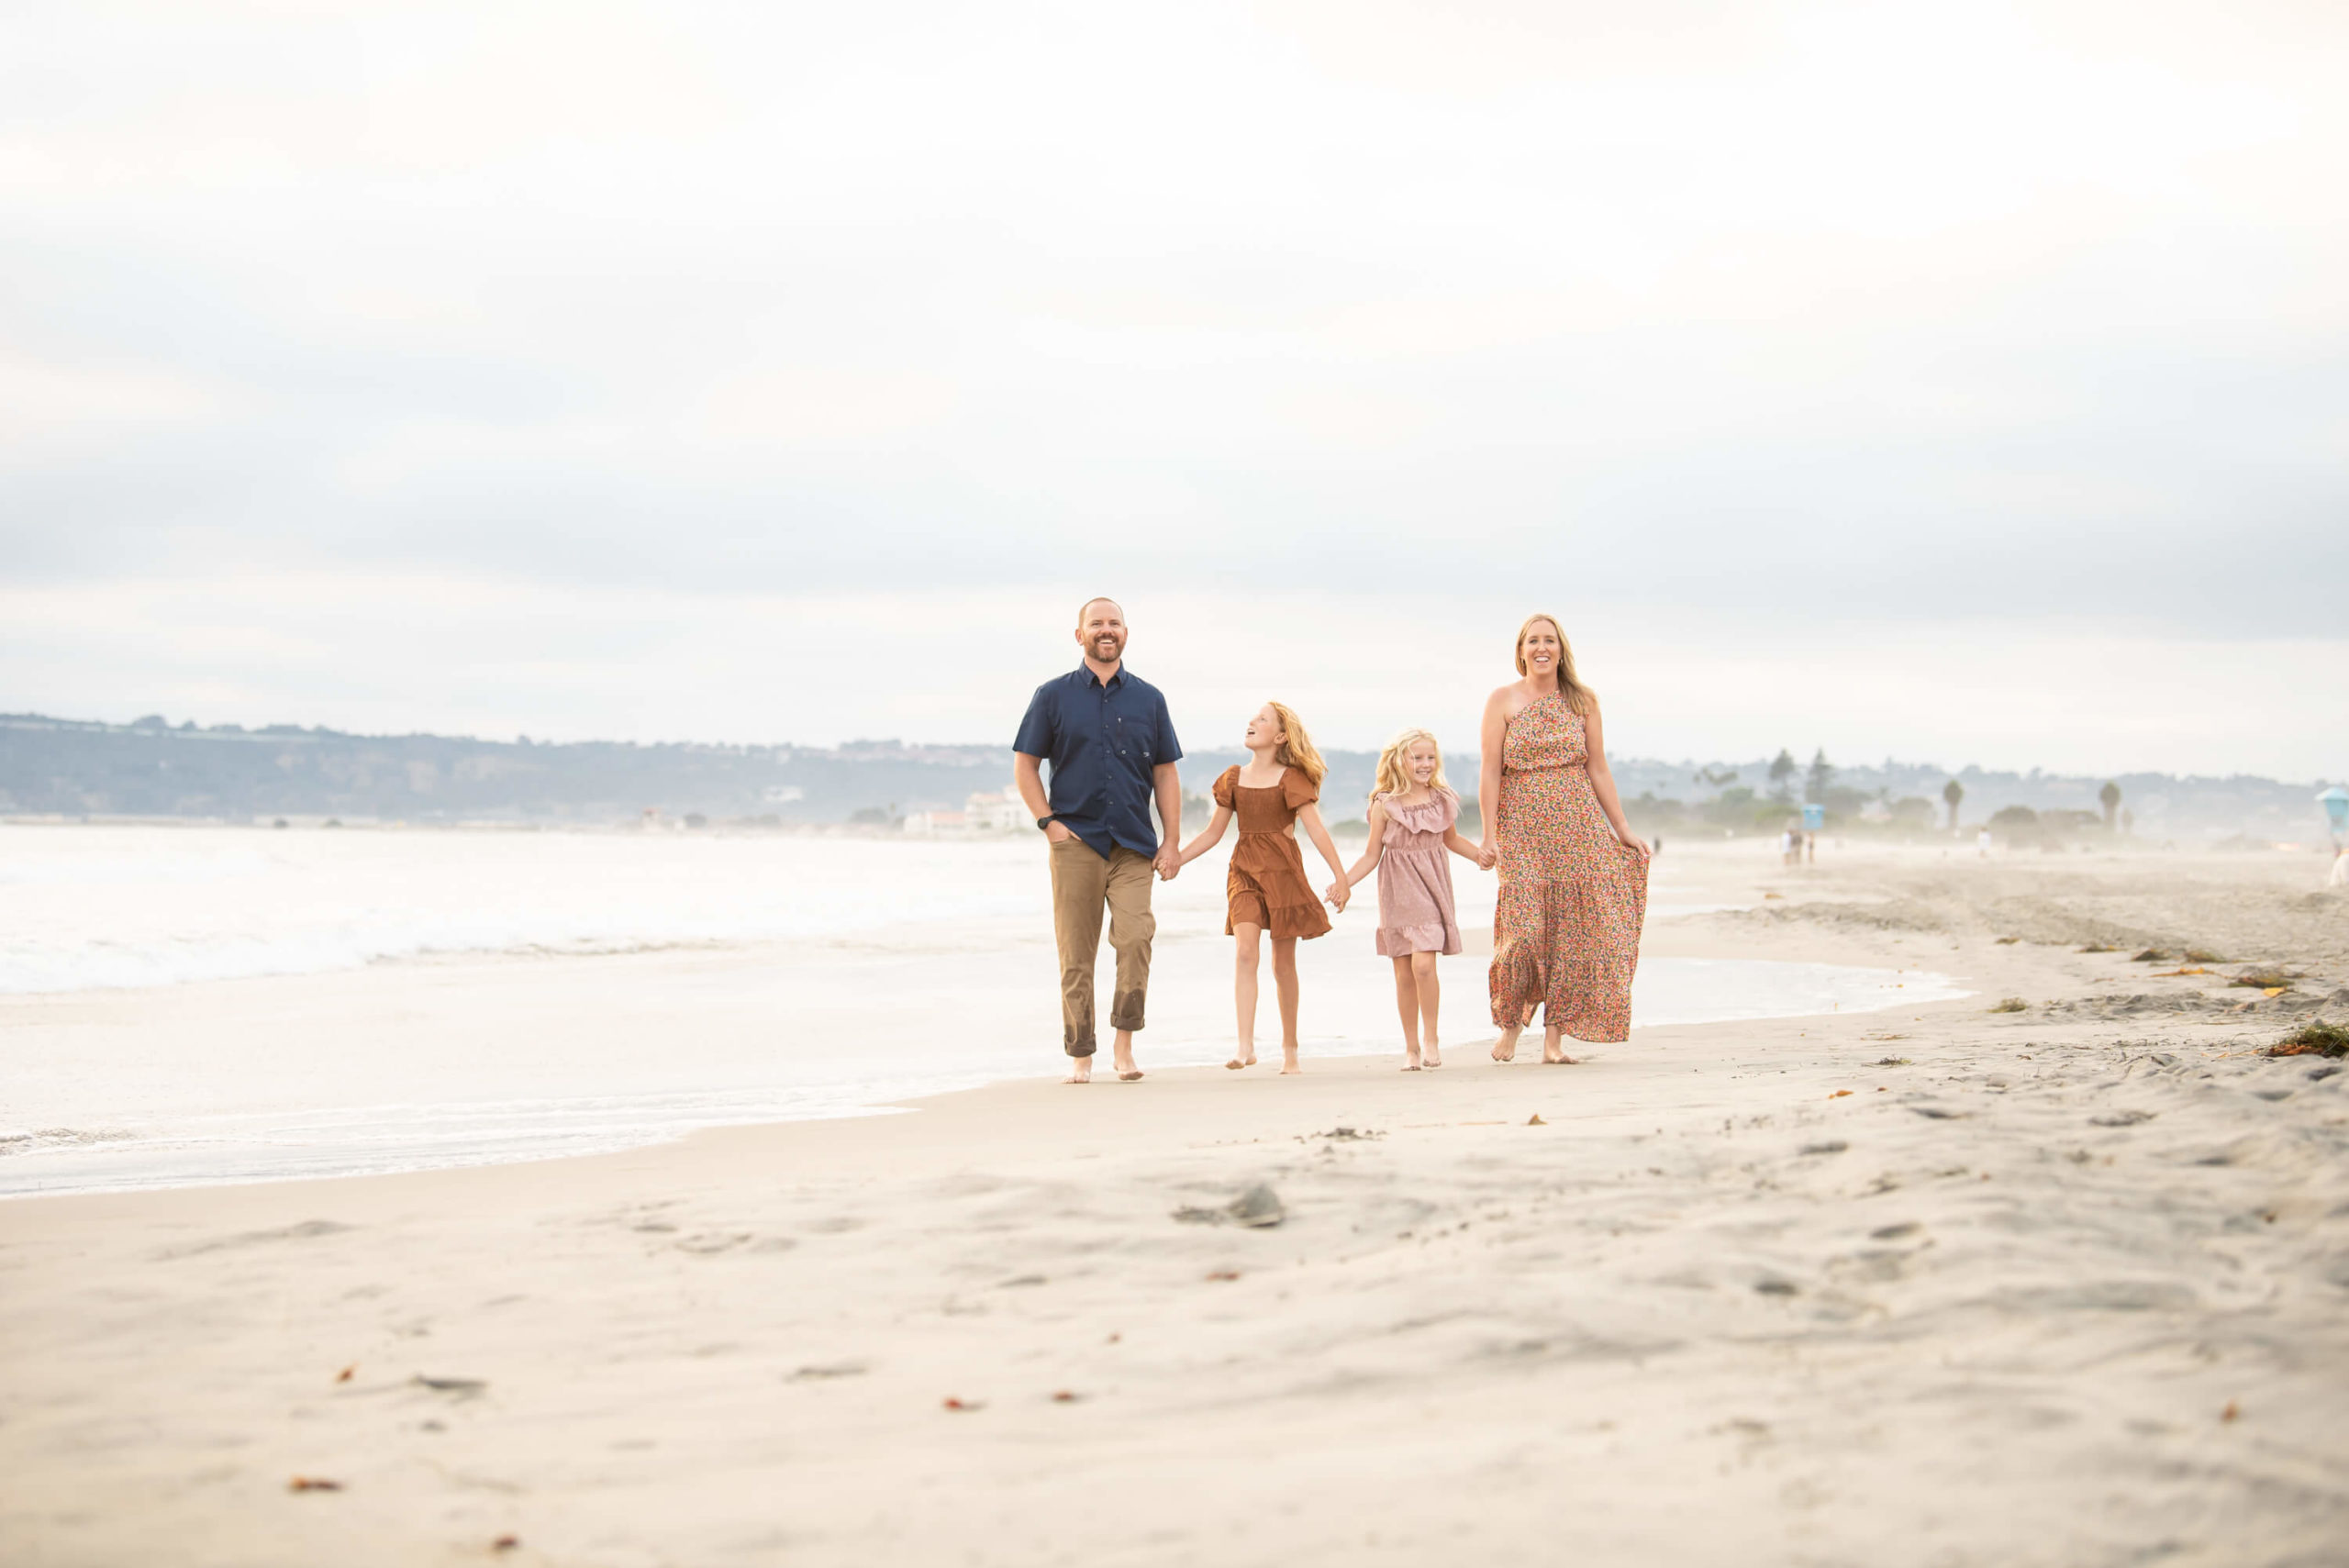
[
  {"x": 1296, "y": 790},
  {"x": 1224, "y": 783}
]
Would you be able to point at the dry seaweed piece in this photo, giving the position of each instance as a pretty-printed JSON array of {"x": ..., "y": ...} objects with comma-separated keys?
[
  {"x": 1256, "y": 1208},
  {"x": 2011, "y": 1004},
  {"x": 2269, "y": 980},
  {"x": 2099, "y": 947},
  {"x": 2201, "y": 955},
  {"x": 2314, "y": 1038},
  {"x": 313, "y": 1483},
  {"x": 2151, "y": 955}
]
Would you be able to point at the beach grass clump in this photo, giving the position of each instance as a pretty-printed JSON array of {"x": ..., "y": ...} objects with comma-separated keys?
[
  {"x": 2099, "y": 947},
  {"x": 2011, "y": 1004},
  {"x": 2151, "y": 955},
  {"x": 2266, "y": 979},
  {"x": 2201, "y": 955},
  {"x": 2317, "y": 1039}
]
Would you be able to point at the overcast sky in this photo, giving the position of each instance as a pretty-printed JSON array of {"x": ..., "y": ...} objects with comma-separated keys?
[{"x": 1962, "y": 382}]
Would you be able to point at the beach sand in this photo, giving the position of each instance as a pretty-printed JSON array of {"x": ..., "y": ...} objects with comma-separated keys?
[{"x": 2064, "y": 1285}]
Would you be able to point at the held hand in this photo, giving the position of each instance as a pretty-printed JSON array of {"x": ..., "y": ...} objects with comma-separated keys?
[
  {"x": 1489, "y": 854},
  {"x": 1170, "y": 862},
  {"x": 1336, "y": 894}
]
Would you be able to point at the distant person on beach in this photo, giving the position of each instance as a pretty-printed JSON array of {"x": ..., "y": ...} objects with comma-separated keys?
[
  {"x": 1574, "y": 876},
  {"x": 1112, "y": 748},
  {"x": 1982, "y": 843},
  {"x": 2340, "y": 877},
  {"x": 1413, "y": 821},
  {"x": 1266, "y": 890}
]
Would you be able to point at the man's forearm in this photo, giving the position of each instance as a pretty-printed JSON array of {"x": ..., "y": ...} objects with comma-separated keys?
[
  {"x": 1170, "y": 804},
  {"x": 1029, "y": 778}
]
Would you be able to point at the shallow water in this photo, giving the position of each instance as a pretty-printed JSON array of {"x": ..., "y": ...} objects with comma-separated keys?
[{"x": 216, "y": 1006}]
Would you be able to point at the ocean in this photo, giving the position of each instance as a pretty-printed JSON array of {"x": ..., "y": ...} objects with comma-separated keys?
[{"x": 181, "y": 1006}]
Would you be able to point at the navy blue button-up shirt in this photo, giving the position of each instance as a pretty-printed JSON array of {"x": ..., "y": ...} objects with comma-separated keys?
[{"x": 1102, "y": 741}]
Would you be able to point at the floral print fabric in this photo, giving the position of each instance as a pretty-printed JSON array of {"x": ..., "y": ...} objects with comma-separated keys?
[{"x": 1573, "y": 895}]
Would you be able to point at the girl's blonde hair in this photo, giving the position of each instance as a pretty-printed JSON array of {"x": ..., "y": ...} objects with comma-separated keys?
[
  {"x": 1296, "y": 752},
  {"x": 1577, "y": 696},
  {"x": 1393, "y": 777}
]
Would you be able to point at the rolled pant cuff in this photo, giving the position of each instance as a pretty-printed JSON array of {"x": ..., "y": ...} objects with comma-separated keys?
[{"x": 1080, "y": 1047}]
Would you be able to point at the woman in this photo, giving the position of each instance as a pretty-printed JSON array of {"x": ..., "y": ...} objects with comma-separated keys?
[{"x": 1573, "y": 877}]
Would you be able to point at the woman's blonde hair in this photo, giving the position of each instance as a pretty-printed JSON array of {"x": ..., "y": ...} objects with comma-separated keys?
[
  {"x": 1577, "y": 696},
  {"x": 1296, "y": 752},
  {"x": 1393, "y": 777}
]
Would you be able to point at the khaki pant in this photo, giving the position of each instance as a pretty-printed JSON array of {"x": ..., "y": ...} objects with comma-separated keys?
[{"x": 1082, "y": 883}]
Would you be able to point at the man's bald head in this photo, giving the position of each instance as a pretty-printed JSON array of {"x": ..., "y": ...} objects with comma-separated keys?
[{"x": 1085, "y": 610}]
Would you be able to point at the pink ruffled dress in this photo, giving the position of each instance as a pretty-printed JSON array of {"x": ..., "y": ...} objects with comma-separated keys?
[{"x": 1415, "y": 909}]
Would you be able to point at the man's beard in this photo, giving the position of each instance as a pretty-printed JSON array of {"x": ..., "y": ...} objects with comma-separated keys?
[{"x": 1105, "y": 649}]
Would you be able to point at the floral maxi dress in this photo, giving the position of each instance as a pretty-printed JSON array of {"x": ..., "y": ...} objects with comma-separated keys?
[{"x": 1573, "y": 895}]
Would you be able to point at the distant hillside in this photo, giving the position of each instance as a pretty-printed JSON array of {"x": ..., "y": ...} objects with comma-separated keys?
[
  {"x": 150, "y": 769},
  {"x": 53, "y": 767}
]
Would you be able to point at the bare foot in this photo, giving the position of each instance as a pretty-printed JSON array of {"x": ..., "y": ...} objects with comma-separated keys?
[
  {"x": 1290, "y": 1067},
  {"x": 1130, "y": 1075},
  {"x": 1126, "y": 1070},
  {"x": 1237, "y": 1062},
  {"x": 1080, "y": 1070},
  {"x": 1553, "y": 1052},
  {"x": 1411, "y": 1059},
  {"x": 1505, "y": 1048},
  {"x": 1430, "y": 1056}
]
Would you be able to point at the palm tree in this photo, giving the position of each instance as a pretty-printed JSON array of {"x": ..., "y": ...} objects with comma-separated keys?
[
  {"x": 1952, "y": 792},
  {"x": 2110, "y": 798}
]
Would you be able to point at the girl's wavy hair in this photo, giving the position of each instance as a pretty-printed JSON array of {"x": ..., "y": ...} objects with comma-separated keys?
[
  {"x": 1296, "y": 752},
  {"x": 1577, "y": 696},
  {"x": 1393, "y": 778}
]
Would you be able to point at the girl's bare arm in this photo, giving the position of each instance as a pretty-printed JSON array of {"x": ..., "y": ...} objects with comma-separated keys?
[
  {"x": 1602, "y": 780},
  {"x": 1375, "y": 847},
  {"x": 1310, "y": 815},
  {"x": 1454, "y": 840},
  {"x": 1209, "y": 836}
]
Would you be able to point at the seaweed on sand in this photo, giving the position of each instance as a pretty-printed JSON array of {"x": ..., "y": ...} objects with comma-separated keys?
[{"x": 2316, "y": 1038}]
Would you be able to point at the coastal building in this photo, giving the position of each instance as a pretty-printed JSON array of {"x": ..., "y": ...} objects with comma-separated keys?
[
  {"x": 989, "y": 812},
  {"x": 1001, "y": 813}
]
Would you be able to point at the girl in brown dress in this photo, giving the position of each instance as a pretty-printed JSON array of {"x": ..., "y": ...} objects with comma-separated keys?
[
  {"x": 1266, "y": 890},
  {"x": 1573, "y": 885}
]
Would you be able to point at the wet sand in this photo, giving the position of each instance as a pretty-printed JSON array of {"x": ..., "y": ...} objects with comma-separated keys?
[{"x": 2058, "y": 1285}]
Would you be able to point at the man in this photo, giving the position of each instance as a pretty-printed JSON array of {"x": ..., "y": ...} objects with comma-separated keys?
[{"x": 1112, "y": 749}]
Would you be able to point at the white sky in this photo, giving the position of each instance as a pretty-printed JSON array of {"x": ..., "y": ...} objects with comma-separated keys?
[{"x": 1966, "y": 383}]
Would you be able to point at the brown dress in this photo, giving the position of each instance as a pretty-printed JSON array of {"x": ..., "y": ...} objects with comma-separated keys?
[
  {"x": 1573, "y": 895},
  {"x": 1266, "y": 884}
]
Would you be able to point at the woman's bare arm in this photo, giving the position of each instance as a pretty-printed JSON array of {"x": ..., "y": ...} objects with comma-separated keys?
[
  {"x": 1209, "y": 836},
  {"x": 1602, "y": 780},
  {"x": 1489, "y": 777}
]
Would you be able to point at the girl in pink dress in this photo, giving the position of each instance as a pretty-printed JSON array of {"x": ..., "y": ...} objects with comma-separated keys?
[{"x": 1413, "y": 815}]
